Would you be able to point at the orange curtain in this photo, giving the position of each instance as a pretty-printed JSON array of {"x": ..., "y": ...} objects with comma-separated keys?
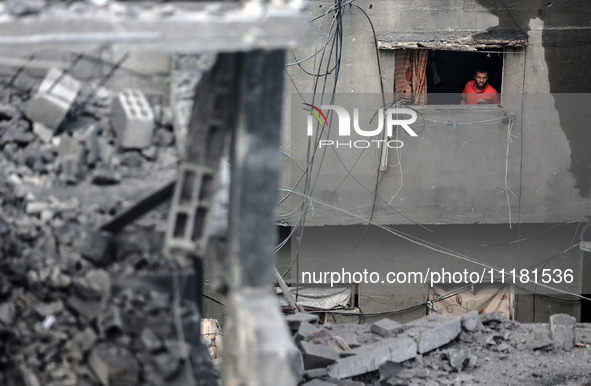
[{"x": 410, "y": 80}]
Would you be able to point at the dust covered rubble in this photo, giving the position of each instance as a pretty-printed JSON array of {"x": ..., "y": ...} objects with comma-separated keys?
[
  {"x": 444, "y": 350},
  {"x": 70, "y": 316}
]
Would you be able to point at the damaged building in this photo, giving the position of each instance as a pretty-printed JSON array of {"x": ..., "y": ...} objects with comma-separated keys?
[{"x": 183, "y": 203}]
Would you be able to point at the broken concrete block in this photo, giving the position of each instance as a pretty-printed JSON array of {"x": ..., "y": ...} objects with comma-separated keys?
[
  {"x": 133, "y": 119},
  {"x": 470, "y": 321},
  {"x": 371, "y": 357},
  {"x": 386, "y": 327},
  {"x": 70, "y": 157},
  {"x": 433, "y": 331},
  {"x": 562, "y": 331},
  {"x": 113, "y": 365},
  {"x": 96, "y": 246},
  {"x": 7, "y": 312},
  {"x": 87, "y": 309},
  {"x": 318, "y": 355},
  {"x": 53, "y": 99},
  {"x": 295, "y": 320},
  {"x": 458, "y": 359}
]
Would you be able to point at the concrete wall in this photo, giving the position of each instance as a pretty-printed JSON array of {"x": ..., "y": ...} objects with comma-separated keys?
[
  {"x": 546, "y": 165},
  {"x": 471, "y": 174}
]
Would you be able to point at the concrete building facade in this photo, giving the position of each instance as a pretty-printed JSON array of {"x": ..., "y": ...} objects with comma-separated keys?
[{"x": 480, "y": 187}]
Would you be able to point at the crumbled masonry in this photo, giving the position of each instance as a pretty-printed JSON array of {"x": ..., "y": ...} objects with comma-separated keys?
[
  {"x": 445, "y": 350},
  {"x": 79, "y": 306}
]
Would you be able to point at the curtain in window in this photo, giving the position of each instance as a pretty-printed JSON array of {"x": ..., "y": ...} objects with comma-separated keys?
[{"x": 410, "y": 80}]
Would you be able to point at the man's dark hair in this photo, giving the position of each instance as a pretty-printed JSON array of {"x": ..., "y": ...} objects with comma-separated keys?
[{"x": 481, "y": 69}]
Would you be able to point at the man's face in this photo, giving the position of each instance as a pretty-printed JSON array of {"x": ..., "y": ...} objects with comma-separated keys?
[{"x": 481, "y": 79}]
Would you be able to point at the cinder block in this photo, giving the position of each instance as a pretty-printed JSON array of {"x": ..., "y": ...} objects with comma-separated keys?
[
  {"x": 53, "y": 99},
  {"x": 433, "y": 331},
  {"x": 386, "y": 327},
  {"x": 371, "y": 357},
  {"x": 562, "y": 331},
  {"x": 190, "y": 205},
  {"x": 133, "y": 119}
]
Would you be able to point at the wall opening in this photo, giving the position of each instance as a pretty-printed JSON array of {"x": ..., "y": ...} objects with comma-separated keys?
[{"x": 438, "y": 77}]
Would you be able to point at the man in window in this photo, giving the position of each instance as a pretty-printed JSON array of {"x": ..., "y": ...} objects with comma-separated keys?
[{"x": 478, "y": 91}]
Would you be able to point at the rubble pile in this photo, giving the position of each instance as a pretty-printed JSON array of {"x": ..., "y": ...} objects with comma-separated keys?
[
  {"x": 79, "y": 306},
  {"x": 444, "y": 350}
]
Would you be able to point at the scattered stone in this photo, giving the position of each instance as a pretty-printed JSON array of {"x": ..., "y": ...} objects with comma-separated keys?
[
  {"x": 433, "y": 331},
  {"x": 7, "y": 313},
  {"x": 113, "y": 365},
  {"x": 562, "y": 331},
  {"x": 25, "y": 7},
  {"x": 105, "y": 177},
  {"x": 131, "y": 159},
  {"x": 96, "y": 246},
  {"x": 371, "y": 357},
  {"x": 386, "y": 327},
  {"x": 470, "y": 321},
  {"x": 458, "y": 359},
  {"x": 43, "y": 132}
]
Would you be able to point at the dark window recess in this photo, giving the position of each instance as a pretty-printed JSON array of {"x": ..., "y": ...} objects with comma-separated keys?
[{"x": 455, "y": 69}]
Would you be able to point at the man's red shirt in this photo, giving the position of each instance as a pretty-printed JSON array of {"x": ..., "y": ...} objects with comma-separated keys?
[{"x": 471, "y": 94}]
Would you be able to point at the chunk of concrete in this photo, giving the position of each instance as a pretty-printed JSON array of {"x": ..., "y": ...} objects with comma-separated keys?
[
  {"x": 386, "y": 327},
  {"x": 458, "y": 359},
  {"x": 433, "y": 331},
  {"x": 70, "y": 157},
  {"x": 562, "y": 331},
  {"x": 371, "y": 357},
  {"x": 53, "y": 99},
  {"x": 318, "y": 355},
  {"x": 113, "y": 365},
  {"x": 470, "y": 321},
  {"x": 96, "y": 246}
]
